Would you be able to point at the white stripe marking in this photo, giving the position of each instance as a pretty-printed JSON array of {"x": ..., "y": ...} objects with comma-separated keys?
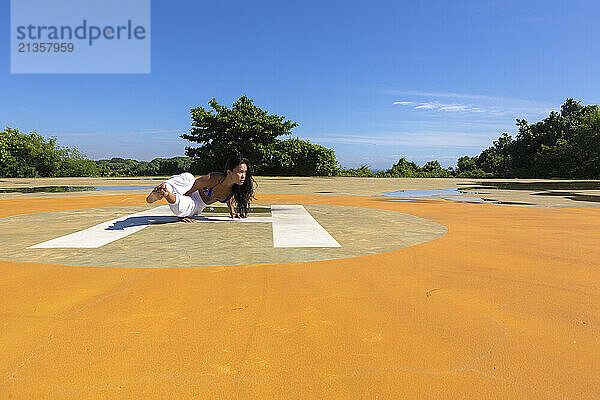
[
  {"x": 202, "y": 218},
  {"x": 293, "y": 226},
  {"x": 108, "y": 232}
]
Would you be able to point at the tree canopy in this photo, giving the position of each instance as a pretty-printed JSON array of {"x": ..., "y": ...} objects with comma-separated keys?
[
  {"x": 32, "y": 155},
  {"x": 566, "y": 144},
  {"x": 248, "y": 130},
  {"x": 244, "y": 129}
]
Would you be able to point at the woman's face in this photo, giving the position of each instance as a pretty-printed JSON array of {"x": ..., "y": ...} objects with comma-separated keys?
[{"x": 239, "y": 173}]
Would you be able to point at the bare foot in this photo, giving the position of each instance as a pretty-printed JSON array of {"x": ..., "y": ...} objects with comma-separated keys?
[{"x": 156, "y": 194}]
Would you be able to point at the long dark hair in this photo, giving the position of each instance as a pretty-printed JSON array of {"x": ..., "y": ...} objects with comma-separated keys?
[{"x": 244, "y": 193}]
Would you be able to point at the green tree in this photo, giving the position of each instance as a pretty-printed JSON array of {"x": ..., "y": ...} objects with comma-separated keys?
[
  {"x": 497, "y": 159},
  {"x": 404, "y": 169},
  {"x": 28, "y": 155},
  {"x": 244, "y": 128},
  {"x": 362, "y": 171},
  {"x": 32, "y": 155},
  {"x": 566, "y": 144},
  {"x": 118, "y": 166},
  {"x": 165, "y": 166},
  {"x": 74, "y": 163},
  {"x": 466, "y": 164},
  {"x": 297, "y": 157}
]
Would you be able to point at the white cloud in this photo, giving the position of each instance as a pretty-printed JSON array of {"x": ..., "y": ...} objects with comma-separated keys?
[
  {"x": 453, "y": 95},
  {"x": 157, "y": 131},
  {"x": 425, "y": 106},
  {"x": 412, "y": 139},
  {"x": 484, "y": 104},
  {"x": 450, "y": 107}
]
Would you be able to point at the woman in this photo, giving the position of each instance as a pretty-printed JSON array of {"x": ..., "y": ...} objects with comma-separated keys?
[{"x": 188, "y": 196}]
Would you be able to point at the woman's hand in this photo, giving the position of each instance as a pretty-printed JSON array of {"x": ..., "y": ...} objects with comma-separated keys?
[{"x": 187, "y": 220}]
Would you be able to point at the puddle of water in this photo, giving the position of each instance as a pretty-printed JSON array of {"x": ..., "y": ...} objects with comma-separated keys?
[
  {"x": 546, "y": 188},
  {"x": 534, "y": 186},
  {"x": 518, "y": 203},
  {"x": 424, "y": 193},
  {"x": 552, "y": 194},
  {"x": 133, "y": 178},
  {"x": 571, "y": 196},
  {"x": 48, "y": 189},
  {"x": 399, "y": 200},
  {"x": 445, "y": 193},
  {"x": 464, "y": 199},
  {"x": 484, "y": 200},
  {"x": 124, "y": 187},
  {"x": 584, "y": 197}
]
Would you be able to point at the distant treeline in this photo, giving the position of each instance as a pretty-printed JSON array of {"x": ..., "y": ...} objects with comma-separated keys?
[
  {"x": 402, "y": 169},
  {"x": 32, "y": 155},
  {"x": 156, "y": 167},
  {"x": 564, "y": 145}
]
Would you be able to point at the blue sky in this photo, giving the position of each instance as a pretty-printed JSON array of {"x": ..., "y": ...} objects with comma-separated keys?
[{"x": 375, "y": 82}]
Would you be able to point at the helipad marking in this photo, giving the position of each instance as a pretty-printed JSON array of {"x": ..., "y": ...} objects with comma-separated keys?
[
  {"x": 293, "y": 226},
  {"x": 107, "y": 232}
]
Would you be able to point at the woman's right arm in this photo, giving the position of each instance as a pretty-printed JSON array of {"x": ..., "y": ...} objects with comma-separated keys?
[{"x": 199, "y": 183}]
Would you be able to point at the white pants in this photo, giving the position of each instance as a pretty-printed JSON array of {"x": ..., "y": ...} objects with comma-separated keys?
[{"x": 184, "y": 206}]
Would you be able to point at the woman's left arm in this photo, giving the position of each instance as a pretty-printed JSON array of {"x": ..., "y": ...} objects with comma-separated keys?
[{"x": 232, "y": 212}]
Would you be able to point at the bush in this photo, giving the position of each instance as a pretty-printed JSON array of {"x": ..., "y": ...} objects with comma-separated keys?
[
  {"x": 566, "y": 144},
  {"x": 75, "y": 163},
  {"x": 362, "y": 171},
  {"x": 244, "y": 129},
  {"x": 296, "y": 157},
  {"x": 32, "y": 155},
  {"x": 159, "y": 166}
]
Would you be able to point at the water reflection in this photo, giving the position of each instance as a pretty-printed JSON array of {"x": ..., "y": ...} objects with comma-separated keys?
[
  {"x": 536, "y": 186},
  {"x": 412, "y": 194},
  {"x": 424, "y": 193},
  {"x": 547, "y": 188},
  {"x": 48, "y": 189},
  {"x": 571, "y": 195},
  {"x": 465, "y": 199}
]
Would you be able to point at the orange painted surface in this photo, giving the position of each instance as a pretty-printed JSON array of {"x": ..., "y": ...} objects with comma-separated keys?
[{"x": 504, "y": 306}]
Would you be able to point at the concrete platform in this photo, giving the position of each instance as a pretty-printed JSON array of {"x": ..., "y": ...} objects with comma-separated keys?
[{"x": 425, "y": 299}]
